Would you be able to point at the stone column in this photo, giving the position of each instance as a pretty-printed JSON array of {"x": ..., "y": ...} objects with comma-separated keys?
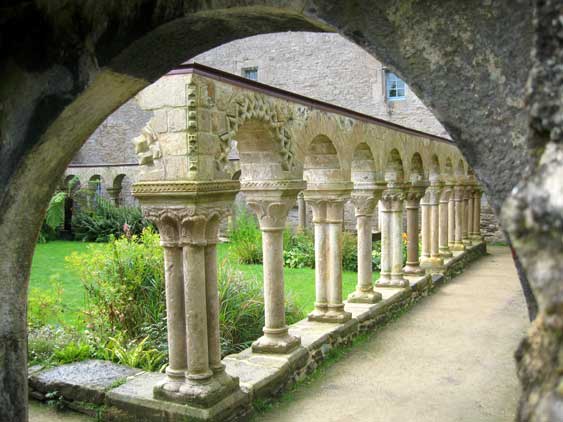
[
  {"x": 444, "y": 222},
  {"x": 425, "y": 223},
  {"x": 188, "y": 220},
  {"x": 476, "y": 235},
  {"x": 468, "y": 214},
  {"x": 271, "y": 201},
  {"x": 414, "y": 195},
  {"x": 392, "y": 238},
  {"x": 302, "y": 212},
  {"x": 451, "y": 218},
  {"x": 435, "y": 262},
  {"x": 364, "y": 203},
  {"x": 459, "y": 217},
  {"x": 168, "y": 224},
  {"x": 327, "y": 201}
]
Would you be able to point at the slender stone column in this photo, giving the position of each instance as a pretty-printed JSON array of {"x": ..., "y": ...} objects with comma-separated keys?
[
  {"x": 470, "y": 214},
  {"x": 414, "y": 195},
  {"x": 476, "y": 235},
  {"x": 459, "y": 217},
  {"x": 392, "y": 238},
  {"x": 327, "y": 201},
  {"x": 167, "y": 223},
  {"x": 467, "y": 209},
  {"x": 451, "y": 218},
  {"x": 302, "y": 212},
  {"x": 425, "y": 223},
  {"x": 364, "y": 202},
  {"x": 444, "y": 222},
  {"x": 321, "y": 255},
  {"x": 435, "y": 262},
  {"x": 271, "y": 201}
]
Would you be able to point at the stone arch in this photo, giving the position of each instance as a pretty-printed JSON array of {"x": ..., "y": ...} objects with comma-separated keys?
[
  {"x": 248, "y": 106},
  {"x": 118, "y": 181},
  {"x": 364, "y": 167},
  {"x": 434, "y": 170},
  {"x": 394, "y": 170},
  {"x": 236, "y": 175},
  {"x": 321, "y": 162},
  {"x": 260, "y": 152},
  {"x": 55, "y": 138},
  {"x": 416, "y": 169}
]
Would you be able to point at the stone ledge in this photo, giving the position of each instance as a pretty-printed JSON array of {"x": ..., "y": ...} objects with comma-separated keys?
[{"x": 267, "y": 375}]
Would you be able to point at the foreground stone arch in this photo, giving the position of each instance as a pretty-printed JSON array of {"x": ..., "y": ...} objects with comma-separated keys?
[{"x": 97, "y": 73}]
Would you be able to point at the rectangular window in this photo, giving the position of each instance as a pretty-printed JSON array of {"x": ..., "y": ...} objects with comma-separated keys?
[
  {"x": 250, "y": 73},
  {"x": 394, "y": 87}
]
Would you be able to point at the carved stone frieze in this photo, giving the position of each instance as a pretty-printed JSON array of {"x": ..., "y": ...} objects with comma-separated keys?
[{"x": 192, "y": 128}]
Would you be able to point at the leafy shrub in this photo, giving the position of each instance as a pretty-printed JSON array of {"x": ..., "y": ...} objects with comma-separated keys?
[
  {"x": 50, "y": 345},
  {"x": 46, "y": 306},
  {"x": 124, "y": 283},
  {"x": 103, "y": 220},
  {"x": 299, "y": 250},
  {"x": 245, "y": 239},
  {"x": 133, "y": 353}
]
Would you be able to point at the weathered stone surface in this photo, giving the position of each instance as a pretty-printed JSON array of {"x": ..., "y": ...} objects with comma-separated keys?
[{"x": 82, "y": 381}]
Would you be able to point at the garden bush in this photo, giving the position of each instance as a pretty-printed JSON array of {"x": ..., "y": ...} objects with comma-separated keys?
[
  {"x": 103, "y": 220},
  {"x": 245, "y": 239}
]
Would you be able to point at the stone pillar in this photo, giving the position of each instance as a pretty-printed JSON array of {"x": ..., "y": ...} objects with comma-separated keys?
[
  {"x": 476, "y": 235},
  {"x": 271, "y": 201},
  {"x": 392, "y": 238},
  {"x": 435, "y": 262},
  {"x": 444, "y": 222},
  {"x": 327, "y": 201},
  {"x": 468, "y": 214},
  {"x": 451, "y": 218},
  {"x": 302, "y": 212},
  {"x": 459, "y": 217},
  {"x": 168, "y": 227},
  {"x": 414, "y": 195},
  {"x": 188, "y": 222},
  {"x": 364, "y": 203},
  {"x": 425, "y": 223}
]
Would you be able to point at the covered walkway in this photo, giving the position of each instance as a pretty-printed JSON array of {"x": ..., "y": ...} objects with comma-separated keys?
[{"x": 448, "y": 359}]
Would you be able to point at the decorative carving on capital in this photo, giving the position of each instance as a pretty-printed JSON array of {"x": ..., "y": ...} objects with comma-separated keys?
[
  {"x": 147, "y": 146},
  {"x": 271, "y": 214},
  {"x": 459, "y": 192},
  {"x": 393, "y": 195},
  {"x": 414, "y": 195},
  {"x": 192, "y": 138},
  {"x": 187, "y": 225},
  {"x": 364, "y": 204}
]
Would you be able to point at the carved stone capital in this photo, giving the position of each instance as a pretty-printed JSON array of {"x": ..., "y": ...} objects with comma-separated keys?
[
  {"x": 459, "y": 192},
  {"x": 271, "y": 213},
  {"x": 392, "y": 199},
  {"x": 364, "y": 204}
]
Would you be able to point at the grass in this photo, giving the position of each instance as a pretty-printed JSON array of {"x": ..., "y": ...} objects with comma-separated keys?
[{"x": 49, "y": 260}]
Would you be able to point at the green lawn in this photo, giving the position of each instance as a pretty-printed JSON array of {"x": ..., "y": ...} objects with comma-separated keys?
[{"x": 49, "y": 260}]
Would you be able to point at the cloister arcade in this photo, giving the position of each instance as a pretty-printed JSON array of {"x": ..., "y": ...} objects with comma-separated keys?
[{"x": 289, "y": 147}]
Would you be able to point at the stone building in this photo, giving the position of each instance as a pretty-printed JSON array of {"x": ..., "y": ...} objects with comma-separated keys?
[{"x": 346, "y": 76}]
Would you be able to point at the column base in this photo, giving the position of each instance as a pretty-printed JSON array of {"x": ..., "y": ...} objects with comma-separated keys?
[
  {"x": 458, "y": 247},
  {"x": 277, "y": 341},
  {"x": 446, "y": 253},
  {"x": 369, "y": 296},
  {"x": 477, "y": 238},
  {"x": 413, "y": 269},
  {"x": 201, "y": 393},
  {"x": 467, "y": 242},
  {"x": 432, "y": 264},
  {"x": 332, "y": 315},
  {"x": 392, "y": 282}
]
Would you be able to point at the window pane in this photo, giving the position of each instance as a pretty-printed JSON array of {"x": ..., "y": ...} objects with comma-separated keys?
[
  {"x": 395, "y": 86},
  {"x": 250, "y": 73}
]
